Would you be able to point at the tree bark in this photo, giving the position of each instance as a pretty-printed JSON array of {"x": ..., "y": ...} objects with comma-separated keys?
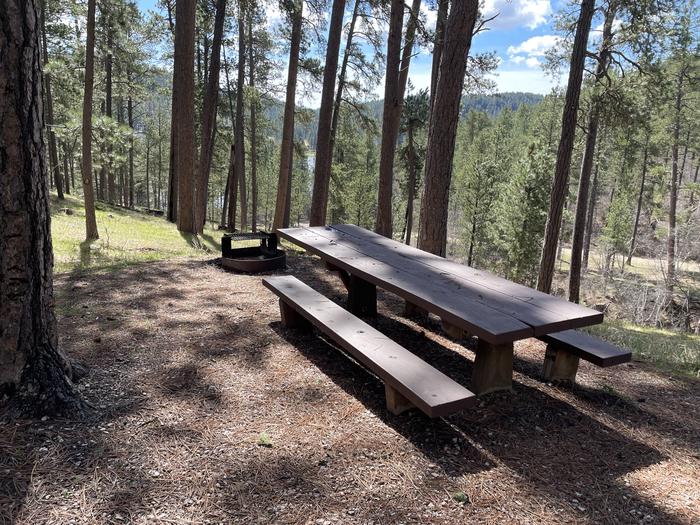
[
  {"x": 148, "y": 165},
  {"x": 591, "y": 216},
  {"x": 587, "y": 162},
  {"x": 432, "y": 235},
  {"x": 322, "y": 166},
  {"x": 566, "y": 146},
  {"x": 107, "y": 166},
  {"x": 671, "y": 244},
  {"x": 281, "y": 219},
  {"x": 240, "y": 122},
  {"x": 53, "y": 151},
  {"x": 640, "y": 199},
  {"x": 437, "y": 47},
  {"x": 88, "y": 195},
  {"x": 34, "y": 373},
  {"x": 208, "y": 130},
  {"x": 183, "y": 118},
  {"x": 253, "y": 128},
  {"x": 411, "y": 185},
  {"x": 130, "y": 121}
]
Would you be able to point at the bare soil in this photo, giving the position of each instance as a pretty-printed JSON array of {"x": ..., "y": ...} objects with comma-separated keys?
[{"x": 210, "y": 412}]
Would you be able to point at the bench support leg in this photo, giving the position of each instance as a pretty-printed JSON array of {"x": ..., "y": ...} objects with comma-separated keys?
[
  {"x": 395, "y": 402},
  {"x": 415, "y": 311},
  {"x": 344, "y": 276},
  {"x": 493, "y": 368},
  {"x": 560, "y": 365},
  {"x": 362, "y": 297},
  {"x": 454, "y": 331},
  {"x": 293, "y": 319}
]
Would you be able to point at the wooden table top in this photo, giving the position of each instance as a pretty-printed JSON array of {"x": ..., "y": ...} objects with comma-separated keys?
[{"x": 488, "y": 306}]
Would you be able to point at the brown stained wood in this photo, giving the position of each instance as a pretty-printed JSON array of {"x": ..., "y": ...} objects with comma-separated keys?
[
  {"x": 544, "y": 312},
  {"x": 344, "y": 276},
  {"x": 588, "y": 348},
  {"x": 395, "y": 402},
  {"x": 453, "y": 331},
  {"x": 362, "y": 297},
  {"x": 493, "y": 368},
  {"x": 559, "y": 365},
  {"x": 415, "y": 311},
  {"x": 428, "y": 389},
  {"x": 293, "y": 319},
  {"x": 419, "y": 286}
]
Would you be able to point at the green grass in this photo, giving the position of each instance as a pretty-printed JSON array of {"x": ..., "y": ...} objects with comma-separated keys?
[
  {"x": 126, "y": 237},
  {"x": 673, "y": 351}
]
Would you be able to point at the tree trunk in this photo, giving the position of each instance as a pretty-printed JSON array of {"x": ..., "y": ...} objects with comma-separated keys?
[
  {"x": 183, "y": 118},
  {"x": 640, "y": 198},
  {"x": 287, "y": 148},
  {"x": 342, "y": 75},
  {"x": 233, "y": 189},
  {"x": 591, "y": 215},
  {"x": 88, "y": 195},
  {"x": 65, "y": 170},
  {"x": 253, "y": 128},
  {"x": 208, "y": 130},
  {"x": 53, "y": 151},
  {"x": 437, "y": 46},
  {"x": 130, "y": 119},
  {"x": 432, "y": 235},
  {"x": 33, "y": 370},
  {"x": 587, "y": 162},
  {"x": 411, "y": 185},
  {"x": 322, "y": 166},
  {"x": 240, "y": 123},
  {"x": 566, "y": 146},
  {"x": 224, "y": 208},
  {"x": 671, "y": 244},
  {"x": 111, "y": 187}
]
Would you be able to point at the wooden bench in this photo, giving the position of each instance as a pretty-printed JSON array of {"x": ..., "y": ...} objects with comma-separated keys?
[
  {"x": 564, "y": 349},
  {"x": 409, "y": 381}
]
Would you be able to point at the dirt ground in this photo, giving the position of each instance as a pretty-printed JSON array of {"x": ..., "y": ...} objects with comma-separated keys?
[{"x": 211, "y": 412}]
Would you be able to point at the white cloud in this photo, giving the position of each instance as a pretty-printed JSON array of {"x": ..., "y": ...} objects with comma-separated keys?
[
  {"x": 528, "y": 80},
  {"x": 514, "y": 13},
  {"x": 532, "y": 62},
  {"x": 531, "y": 50}
]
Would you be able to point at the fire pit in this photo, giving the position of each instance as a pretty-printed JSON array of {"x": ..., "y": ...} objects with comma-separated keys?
[{"x": 252, "y": 259}]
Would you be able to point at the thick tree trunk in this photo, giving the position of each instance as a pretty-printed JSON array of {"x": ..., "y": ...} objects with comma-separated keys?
[
  {"x": 253, "y": 128},
  {"x": 411, "y": 185},
  {"x": 640, "y": 198},
  {"x": 322, "y": 166},
  {"x": 208, "y": 130},
  {"x": 566, "y": 146},
  {"x": 671, "y": 243},
  {"x": 53, "y": 151},
  {"x": 438, "y": 44},
  {"x": 183, "y": 118},
  {"x": 65, "y": 170},
  {"x": 111, "y": 186},
  {"x": 587, "y": 162},
  {"x": 590, "y": 218},
  {"x": 432, "y": 235},
  {"x": 281, "y": 219},
  {"x": 33, "y": 372},
  {"x": 233, "y": 190},
  {"x": 240, "y": 122},
  {"x": 148, "y": 165},
  {"x": 130, "y": 119},
  {"x": 88, "y": 195},
  {"x": 390, "y": 129}
]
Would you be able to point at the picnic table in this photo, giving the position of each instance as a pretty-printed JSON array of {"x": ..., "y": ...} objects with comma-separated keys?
[{"x": 468, "y": 301}]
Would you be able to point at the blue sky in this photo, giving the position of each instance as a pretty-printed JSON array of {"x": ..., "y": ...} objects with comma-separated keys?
[{"x": 520, "y": 35}]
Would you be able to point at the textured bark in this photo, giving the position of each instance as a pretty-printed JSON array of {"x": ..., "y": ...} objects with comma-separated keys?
[
  {"x": 130, "y": 121},
  {"x": 107, "y": 167},
  {"x": 33, "y": 372},
  {"x": 589, "y": 220},
  {"x": 88, "y": 195},
  {"x": 208, "y": 130},
  {"x": 281, "y": 219},
  {"x": 587, "y": 162},
  {"x": 437, "y": 46},
  {"x": 432, "y": 234},
  {"x": 671, "y": 242},
  {"x": 640, "y": 198},
  {"x": 253, "y": 129},
  {"x": 240, "y": 122},
  {"x": 411, "y": 185},
  {"x": 233, "y": 190},
  {"x": 53, "y": 150},
  {"x": 566, "y": 146},
  {"x": 183, "y": 118},
  {"x": 322, "y": 166},
  {"x": 148, "y": 166},
  {"x": 65, "y": 171},
  {"x": 390, "y": 128}
]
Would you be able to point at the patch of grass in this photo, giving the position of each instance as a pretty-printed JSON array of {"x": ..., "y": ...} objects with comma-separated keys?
[
  {"x": 673, "y": 351},
  {"x": 264, "y": 440},
  {"x": 126, "y": 237}
]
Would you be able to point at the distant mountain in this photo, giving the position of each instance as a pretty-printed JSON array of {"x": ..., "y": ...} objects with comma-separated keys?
[{"x": 494, "y": 104}]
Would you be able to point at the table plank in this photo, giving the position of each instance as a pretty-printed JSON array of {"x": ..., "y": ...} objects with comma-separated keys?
[
  {"x": 545, "y": 313},
  {"x": 418, "y": 285}
]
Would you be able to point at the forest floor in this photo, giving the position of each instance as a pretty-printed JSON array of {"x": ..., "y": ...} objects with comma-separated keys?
[{"x": 210, "y": 412}]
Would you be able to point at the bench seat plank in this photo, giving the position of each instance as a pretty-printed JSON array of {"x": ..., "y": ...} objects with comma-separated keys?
[
  {"x": 588, "y": 348},
  {"x": 425, "y": 387},
  {"x": 420, "y": 286}
]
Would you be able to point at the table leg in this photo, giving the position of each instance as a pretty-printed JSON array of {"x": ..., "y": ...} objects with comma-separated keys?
[
  {"x": 395, "y": 402},
  {"x": 493, "y": 367},
  {"x": 413, "y": 310},
  {"x": 293, "y": 319},
  {"x": 454, "y": 331},
  {"x": 362, "y": 297},
  {"x": 560, "y": 365}
]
